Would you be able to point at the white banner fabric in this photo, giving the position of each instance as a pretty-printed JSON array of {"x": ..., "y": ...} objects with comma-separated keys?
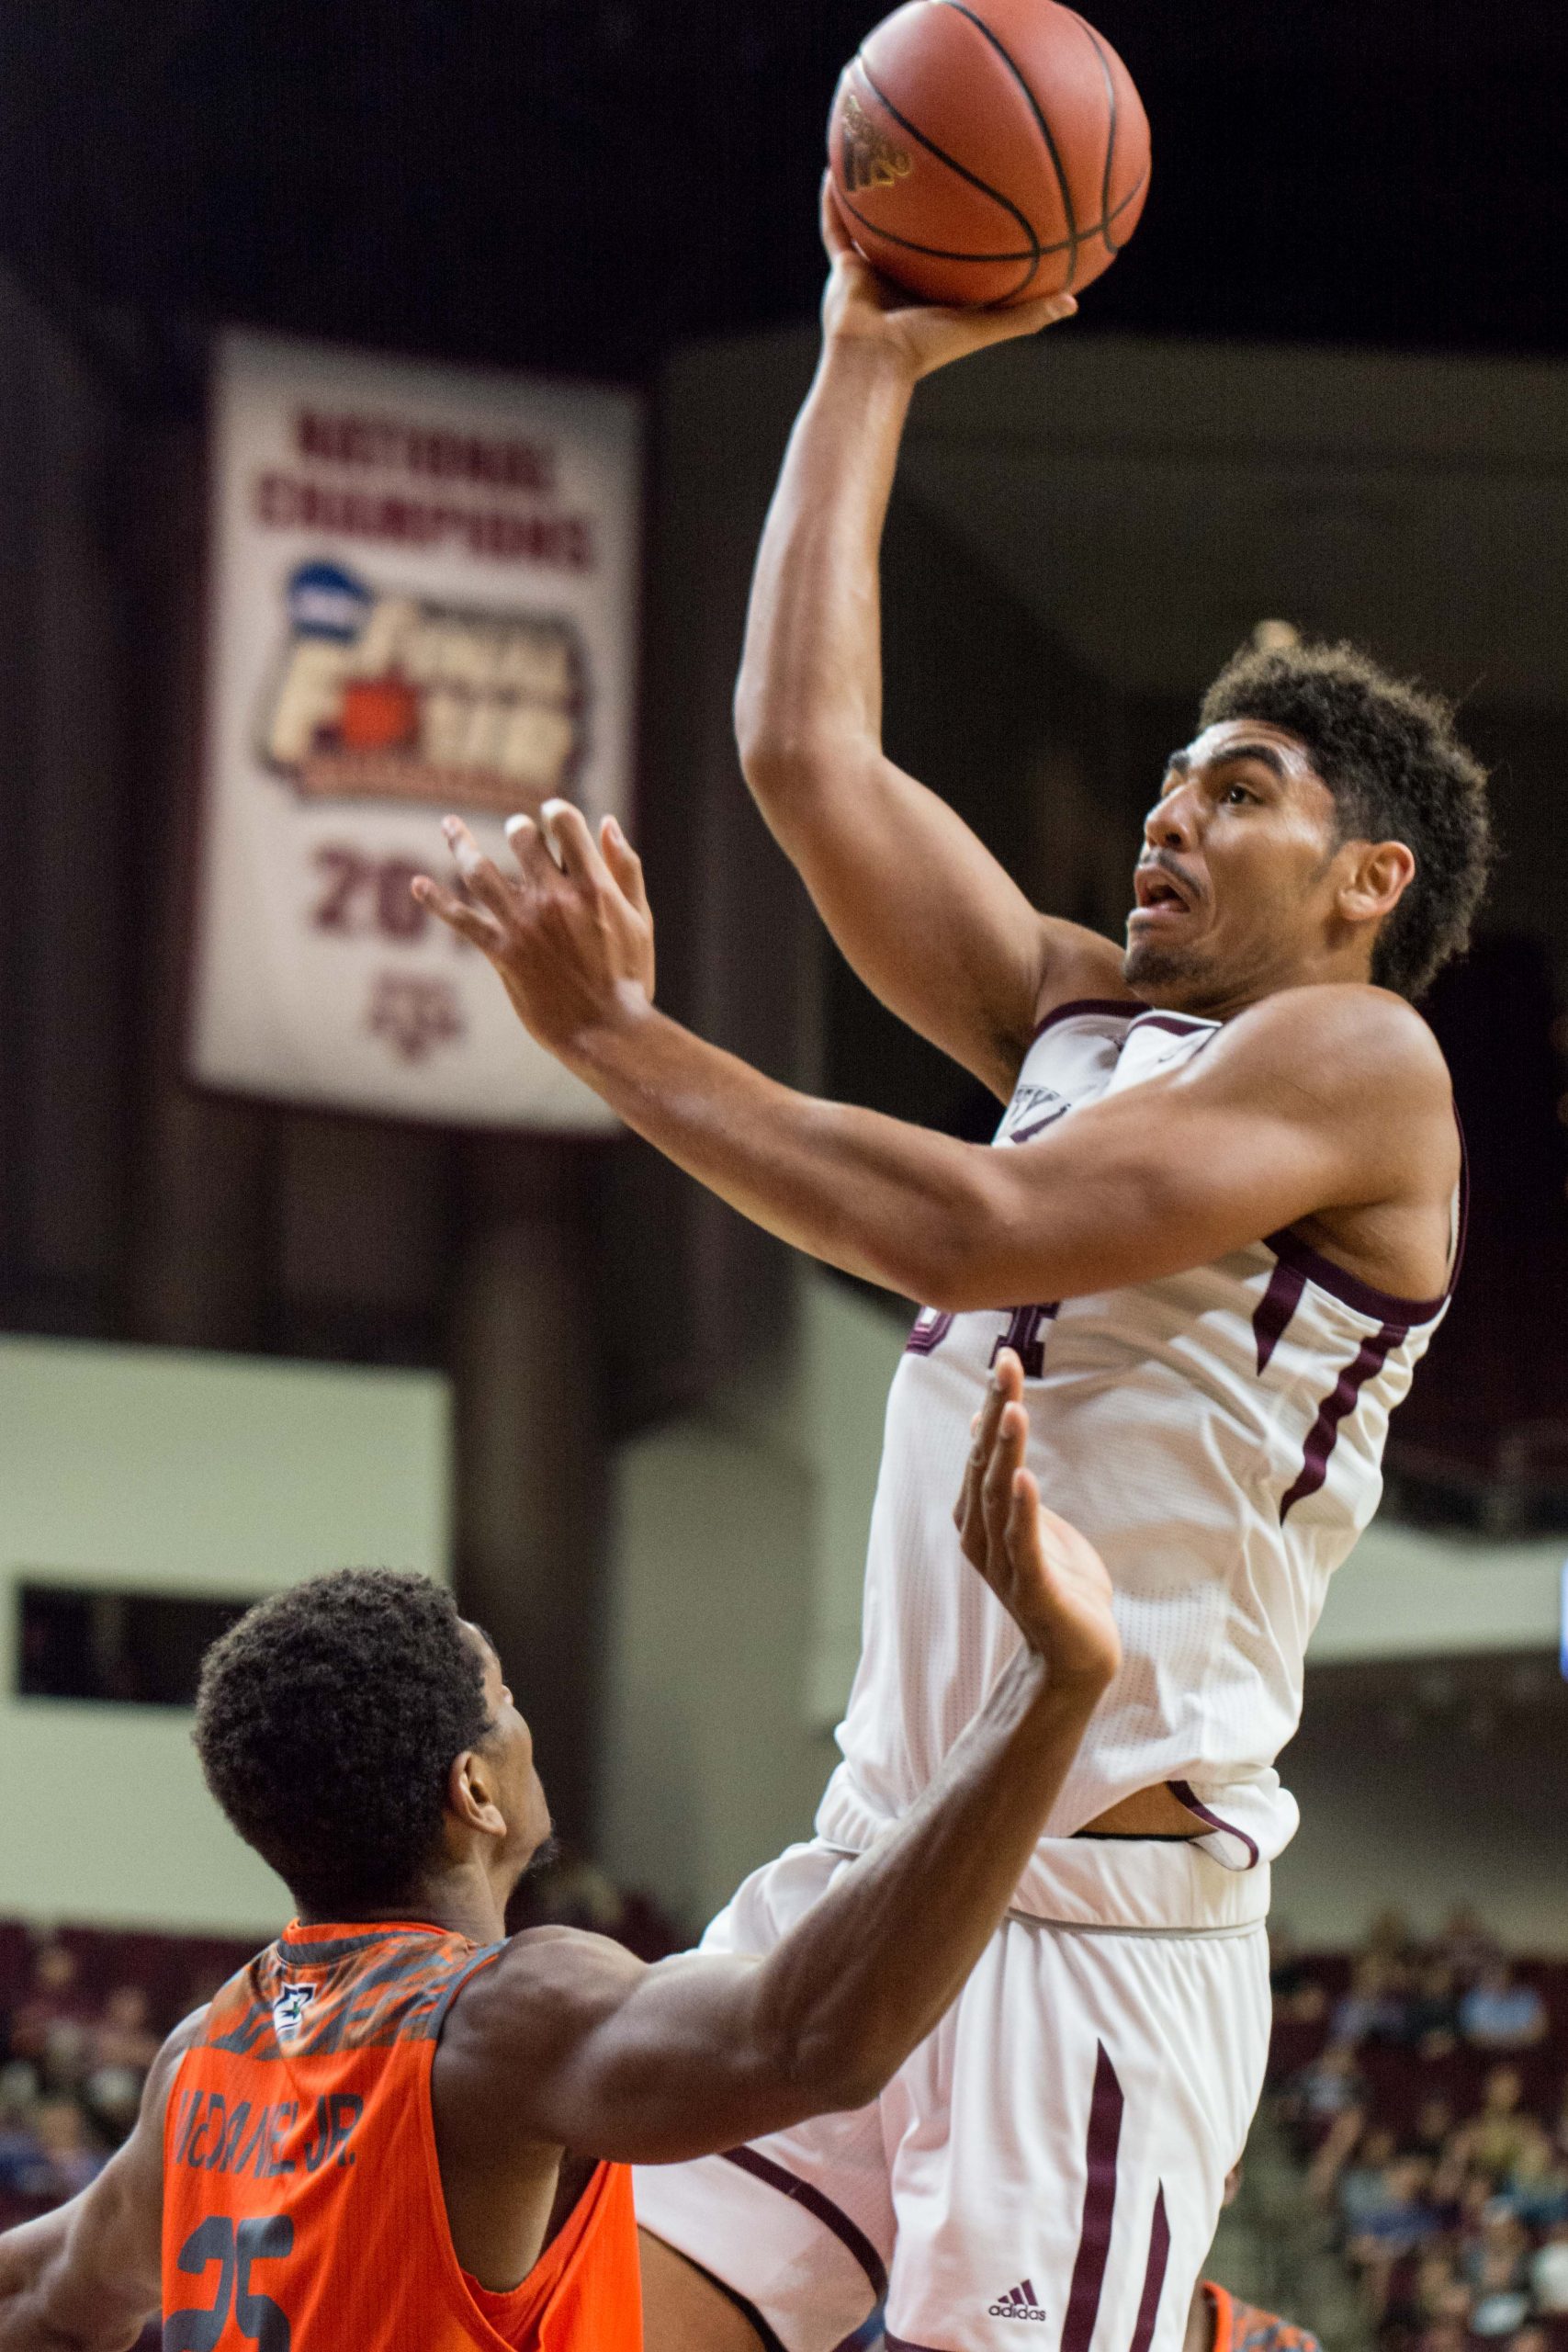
[{"x": 423, "y": 597}]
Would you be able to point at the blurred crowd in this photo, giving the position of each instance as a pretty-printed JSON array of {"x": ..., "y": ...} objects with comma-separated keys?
[
  {"x": 72, "y": 2061},
  {"x": 1425, "y": 2084}
]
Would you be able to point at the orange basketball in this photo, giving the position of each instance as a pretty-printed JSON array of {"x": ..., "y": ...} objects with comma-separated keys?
[{"x": 989, "y": 151}]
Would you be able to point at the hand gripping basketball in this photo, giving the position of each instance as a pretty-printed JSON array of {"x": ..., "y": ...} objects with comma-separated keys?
[
  {"x": 859, "y": 306},
  {"x": 1048, "y": 1577}
]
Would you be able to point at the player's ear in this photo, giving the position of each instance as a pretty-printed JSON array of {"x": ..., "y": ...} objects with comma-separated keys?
[
  {"x": 1376, "y": 878},
  {"x": 471, "y": 1796}
]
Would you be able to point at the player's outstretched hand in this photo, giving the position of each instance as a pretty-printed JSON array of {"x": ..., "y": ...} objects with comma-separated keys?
[
  {"x": 859, "y": 304},
  {"x": 573, "y": 942},
  {"x": 1048, "y": 1577}
]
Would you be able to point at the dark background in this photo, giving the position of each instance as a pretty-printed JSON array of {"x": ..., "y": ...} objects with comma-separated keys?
[{"x": 578, "y": 183}]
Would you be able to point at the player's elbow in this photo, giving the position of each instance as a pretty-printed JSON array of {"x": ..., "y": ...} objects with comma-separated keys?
[
  {"x": 959, "y": 1255},
  {"x": 787, "y": 758},
  {"x": 833, "y": 2072}
]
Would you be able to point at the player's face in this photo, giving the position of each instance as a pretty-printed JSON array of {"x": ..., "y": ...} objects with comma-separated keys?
[
  {"x": 1234, "y": 887},
  {"x": 509, "y": 1751}
]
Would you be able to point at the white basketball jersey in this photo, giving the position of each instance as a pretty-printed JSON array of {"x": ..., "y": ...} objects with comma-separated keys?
[{"x": 1217, "y": 1434}]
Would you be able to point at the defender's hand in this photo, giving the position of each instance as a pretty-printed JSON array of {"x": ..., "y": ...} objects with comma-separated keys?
[
  {"x": 859, "y": 306},
  {"x": 1048, "y": 1577},
  {"x": 573, "y": 943}
]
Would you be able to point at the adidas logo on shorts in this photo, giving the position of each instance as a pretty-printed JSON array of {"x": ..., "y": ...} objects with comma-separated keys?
[{"x": 1019, "y": 2302}]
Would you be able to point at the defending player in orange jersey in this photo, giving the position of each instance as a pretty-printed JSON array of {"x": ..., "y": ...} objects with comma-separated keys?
[{"x": 395, "y": 2130}]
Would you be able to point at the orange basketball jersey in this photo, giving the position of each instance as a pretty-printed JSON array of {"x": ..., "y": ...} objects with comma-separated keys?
[{"x": 302, "y": 2202}]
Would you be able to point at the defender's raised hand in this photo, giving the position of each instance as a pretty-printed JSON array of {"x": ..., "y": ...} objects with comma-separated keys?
[
  {"x": 573, "y": 942},
  {"x": 1048, "y": 1577}
]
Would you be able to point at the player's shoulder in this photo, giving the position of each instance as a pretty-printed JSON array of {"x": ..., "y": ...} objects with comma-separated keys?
[
  {"x": 1343, "y": 1035},
  {"x": 543, "y": 1989}
]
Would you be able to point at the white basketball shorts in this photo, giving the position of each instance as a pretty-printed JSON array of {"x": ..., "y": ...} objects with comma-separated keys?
[{"x": 1047, "y": 2169}]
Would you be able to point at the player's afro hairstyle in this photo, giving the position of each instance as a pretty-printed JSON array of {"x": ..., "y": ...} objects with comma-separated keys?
[
  {"x": 1388, "y": 752},
  {"x": 327, "y": 1721}
]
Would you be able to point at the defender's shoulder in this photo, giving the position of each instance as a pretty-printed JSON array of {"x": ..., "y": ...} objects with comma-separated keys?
[{"x": 543, "y": 1986}]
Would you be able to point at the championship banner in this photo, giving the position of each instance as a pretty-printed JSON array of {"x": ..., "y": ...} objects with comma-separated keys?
[{"x": 422, "y": 597}]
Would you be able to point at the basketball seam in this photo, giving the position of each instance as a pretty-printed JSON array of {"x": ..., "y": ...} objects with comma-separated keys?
[
  {"x": 1098, "y": 47},
  {"x": 940, "y": 253},
  {"x": 1074, "y": 237},
  {"x": 954, "y": 165}
]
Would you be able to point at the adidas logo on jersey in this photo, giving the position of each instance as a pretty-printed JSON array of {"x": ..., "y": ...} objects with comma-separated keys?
[
  {"x": 1019, "y": 2302},
  {"x": 288, "y": 2009}
]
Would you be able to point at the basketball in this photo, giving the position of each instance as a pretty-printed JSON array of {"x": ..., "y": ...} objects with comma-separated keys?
[{"x": 989, "y": 151}]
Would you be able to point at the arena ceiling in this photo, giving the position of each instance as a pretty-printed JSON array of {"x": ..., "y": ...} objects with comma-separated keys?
[{"x": 582, "y": 182}]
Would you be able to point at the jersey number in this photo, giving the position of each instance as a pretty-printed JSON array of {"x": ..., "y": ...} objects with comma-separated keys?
[{"x": 233, "y": 2247}]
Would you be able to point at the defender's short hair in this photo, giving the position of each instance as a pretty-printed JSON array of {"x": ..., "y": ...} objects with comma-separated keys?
[
  {"x": 1388, "y": 752},
  {"x": 327, "y": 1721}
]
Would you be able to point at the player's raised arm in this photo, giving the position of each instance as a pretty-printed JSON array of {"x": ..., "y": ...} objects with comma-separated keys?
[
  {"x": 919, "y": 907},
  {"x": 581, "y": 2044},
  {"x": 86, "y": 2277}
]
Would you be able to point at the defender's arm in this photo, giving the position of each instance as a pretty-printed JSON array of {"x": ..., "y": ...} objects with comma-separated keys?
[
  {"x": 589, "y": 2049},
  {"x": 86, "y": 2277},
  {"x": 920, "y": 908}
]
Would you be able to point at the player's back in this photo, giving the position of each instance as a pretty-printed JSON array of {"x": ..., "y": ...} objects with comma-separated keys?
[{"x": 302, "y": 2199}]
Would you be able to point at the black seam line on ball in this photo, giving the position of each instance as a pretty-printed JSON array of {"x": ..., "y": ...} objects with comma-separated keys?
[
  {"x": 954, "y": 165},
  {"x": 1075, "y": 237},
  {"x": 1098, "y": 47},
  {"x": 940, "y": 253}
]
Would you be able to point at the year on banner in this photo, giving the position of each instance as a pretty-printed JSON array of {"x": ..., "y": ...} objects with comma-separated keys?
[{"x": 423, "y": 597}]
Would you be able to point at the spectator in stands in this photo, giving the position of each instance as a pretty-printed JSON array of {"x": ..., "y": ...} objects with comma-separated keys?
[
  {"x": 1549, "y": 2271},
  {"x": 1536, "y": 2189},
  {"x": 1332, "y": 2085},
  {"x": 1362, "y": 2184},
  {"x": 1497, "y": 2138},
  {"x": 121, "y": 2047},
  {"x": 1393, "y": 2222},
  {"x": 1500, "y": 2013},
  {"x": 49, "y": 2026},
  {"x": 1530, "y": 2340},
  {"x": 67, "y": 2158},
  {"x": 1431, "y": 2010},
  {"x": 1433, "y": 2128},
  {"x": 1502, "y": 2295},
  {"x": 1373, "y": 2010},
  {"x": 1298, "y": 1994},
  {"x": 1465, "y": 1944}
]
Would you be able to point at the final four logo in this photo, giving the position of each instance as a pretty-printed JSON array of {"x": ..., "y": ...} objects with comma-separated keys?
[{"x": 381, "y": 695}]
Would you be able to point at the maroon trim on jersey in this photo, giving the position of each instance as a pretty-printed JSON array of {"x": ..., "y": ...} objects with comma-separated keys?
[
  {"x": 902, "y": 2344},
  {"x": 1275, "y": 1308},
  {"x": 1098, "y": 2207},
  {"x": 822, "y": 2208},
  {"x": 1348, "y": 1288},
  {"x": 1109, "y": 1007},
  {"x": 1369, "y": 1360},
  {"x": 1181, "y": 1024},
  {"x": 1154, "y": 2277},
  {"x": 1182, "y": 1792}
]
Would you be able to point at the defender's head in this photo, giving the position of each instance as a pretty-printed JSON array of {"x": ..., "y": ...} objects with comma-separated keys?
[
  {"x": 1326, "y": 823},
  {"x": 357, "y": 1733}
]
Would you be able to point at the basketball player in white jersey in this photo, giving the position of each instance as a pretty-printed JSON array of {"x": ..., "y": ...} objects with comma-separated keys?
[{"x": 1219, "y": 1230}]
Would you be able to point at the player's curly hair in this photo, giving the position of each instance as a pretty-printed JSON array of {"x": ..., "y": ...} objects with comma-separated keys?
[
  {"x": 326, "y": 1722},
  {"x": 1388, "y": 752}
]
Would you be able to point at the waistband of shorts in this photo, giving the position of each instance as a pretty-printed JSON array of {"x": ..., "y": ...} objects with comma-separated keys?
[{"x": 1141, "y": 1886}]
